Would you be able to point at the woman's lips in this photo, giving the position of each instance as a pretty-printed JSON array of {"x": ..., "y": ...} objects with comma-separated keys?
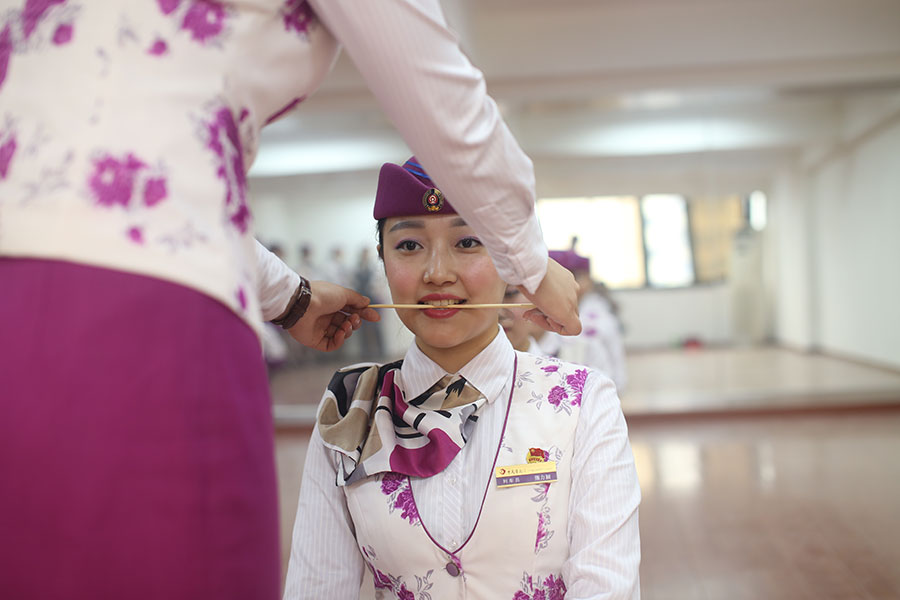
[{"x": 443, "y": 306}]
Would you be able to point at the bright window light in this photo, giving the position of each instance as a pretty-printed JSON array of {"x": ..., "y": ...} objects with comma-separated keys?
[
  {"x": 757, "y": 210},
  {"x": 608, "y": 230},
  {"x": 667, "y": 241}
]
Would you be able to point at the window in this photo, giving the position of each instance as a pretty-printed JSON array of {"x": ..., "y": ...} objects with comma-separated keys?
[
  {"x": 667, "y": 242},
  {"x": 714, "y": 222},
  {"x": 608, "y": 230},
  {"x": 657, "y": 240}
]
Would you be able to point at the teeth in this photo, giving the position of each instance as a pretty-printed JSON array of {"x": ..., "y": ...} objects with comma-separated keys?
[{"x": 443, "y": 302}]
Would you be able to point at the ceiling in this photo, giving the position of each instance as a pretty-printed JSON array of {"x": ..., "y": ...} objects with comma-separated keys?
[{"x": 628, "y": 82}]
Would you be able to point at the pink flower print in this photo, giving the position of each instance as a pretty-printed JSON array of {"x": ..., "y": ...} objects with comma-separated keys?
[
  {"x": 382, "y": 581},
  {"x": 112, "y": 181},
  {"x": 168, "y": 6},
  {"x": 539, "y": 595},
  {"x": 34, "y": 12},
  {"x": 158, "y": 48},
  {"x": 391, "y": 482},
  {"x": 225, "y": 142},
  {"x": 7, "y": 150},
  {"x": 63, "y": 34},
  {"x": 242, "y": 298},
  {"x": 297, "y": 15},
  {"x": 6, "y": 49},
  {"x": 407, "y": 504},
  {"x": 204, "y": 19},
  {"x": 557, "y": 394},
  {"x": 590, "y": 332},
  {"x": 405, "y": 594},
  {"x": 550, "y": 369},
  {"x": 556, "y": 588},
  {"x": 520, "y": 595},
  {"x": 541, "y": 532},
  {"x": 155, "y": 191},
  {"x": 576, "y": 382},
  {"x": 136, "y": 235}
]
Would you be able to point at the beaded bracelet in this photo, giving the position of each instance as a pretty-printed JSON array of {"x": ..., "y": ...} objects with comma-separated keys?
[{"x": 296, "y": 307}]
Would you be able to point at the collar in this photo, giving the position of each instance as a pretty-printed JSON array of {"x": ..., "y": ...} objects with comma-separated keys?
[{"x": 489, "y": 371}]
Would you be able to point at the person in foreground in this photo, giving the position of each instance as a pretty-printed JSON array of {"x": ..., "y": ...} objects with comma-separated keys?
[
  {"x": 137, "y": 420},
  {"x": 467, "y": 469}
]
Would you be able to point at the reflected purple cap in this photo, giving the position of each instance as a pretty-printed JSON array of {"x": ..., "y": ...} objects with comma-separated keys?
[
  {"x": 571, "y": 260},
  {"x": 407, "y": 190}
]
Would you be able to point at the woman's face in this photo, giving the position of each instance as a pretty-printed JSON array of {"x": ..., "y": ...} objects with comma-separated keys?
[{"x": 439, "y": 260}]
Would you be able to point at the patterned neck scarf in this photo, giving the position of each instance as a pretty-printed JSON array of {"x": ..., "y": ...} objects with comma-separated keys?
[{"x": 366, "y": 419}]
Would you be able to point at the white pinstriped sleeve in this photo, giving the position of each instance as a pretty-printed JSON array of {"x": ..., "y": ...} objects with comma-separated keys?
[
  {"x": 276, "y": 282},
  {"x": 438, "y": 102},
  {"x": 604, "y": 539},
  {"x": 325, "y": 561}
]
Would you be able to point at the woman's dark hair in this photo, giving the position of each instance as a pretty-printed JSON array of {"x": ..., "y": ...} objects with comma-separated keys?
[{"x": 380, "y": 229}]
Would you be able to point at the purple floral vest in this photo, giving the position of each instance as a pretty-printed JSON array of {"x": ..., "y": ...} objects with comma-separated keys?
[{"x": 520, "y": 541}]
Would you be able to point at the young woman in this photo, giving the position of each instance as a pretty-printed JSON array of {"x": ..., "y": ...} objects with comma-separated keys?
[{"x": 467, "y": 469}]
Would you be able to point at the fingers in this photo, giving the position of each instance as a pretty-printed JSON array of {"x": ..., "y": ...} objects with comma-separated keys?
[
  {"x": 370, "y": 314},
  {"x": 541, "y": 320}
]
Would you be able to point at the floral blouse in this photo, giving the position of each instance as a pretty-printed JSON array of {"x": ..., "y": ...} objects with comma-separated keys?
[{"x": 127, "y": 129}]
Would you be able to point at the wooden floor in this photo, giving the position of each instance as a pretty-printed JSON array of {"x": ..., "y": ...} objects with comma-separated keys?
[{"x": 766, "y": 473}]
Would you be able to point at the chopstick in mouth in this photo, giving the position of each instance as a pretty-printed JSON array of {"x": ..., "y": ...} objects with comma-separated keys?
[{"x": 424, "y": 306}]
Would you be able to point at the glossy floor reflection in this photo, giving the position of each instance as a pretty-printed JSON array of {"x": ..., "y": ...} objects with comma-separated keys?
[
  {"x": 797, "y": 507},
  {"x": 786, "y": 508}
]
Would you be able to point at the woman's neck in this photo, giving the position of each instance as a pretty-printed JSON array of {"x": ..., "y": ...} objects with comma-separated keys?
[{"x": 455, "y": 358}]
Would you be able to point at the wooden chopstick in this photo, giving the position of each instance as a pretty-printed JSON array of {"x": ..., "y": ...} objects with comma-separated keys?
[{"x": 423, "y": 306}]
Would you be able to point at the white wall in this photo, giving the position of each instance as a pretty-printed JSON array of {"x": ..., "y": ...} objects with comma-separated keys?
[
  {"x": 660, "y": 318},
  {"x": 837, "y": 217},
  {"x": 858, "y": 248},
  {"x": 322, "y": 210}
]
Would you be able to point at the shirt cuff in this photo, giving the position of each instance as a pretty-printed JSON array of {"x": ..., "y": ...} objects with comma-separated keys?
[{"x": 276, "y": 283}]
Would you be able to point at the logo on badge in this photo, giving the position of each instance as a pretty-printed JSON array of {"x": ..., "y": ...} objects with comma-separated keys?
[
  {"x": 433, "y": 200},
  {"x": 536, "y": 455}
]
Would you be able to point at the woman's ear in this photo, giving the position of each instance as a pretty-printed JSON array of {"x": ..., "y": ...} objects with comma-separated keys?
[{"x": 379, "y": 249}]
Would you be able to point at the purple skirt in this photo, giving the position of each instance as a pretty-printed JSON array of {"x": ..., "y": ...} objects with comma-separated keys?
[{"x": 136, "y": 445}]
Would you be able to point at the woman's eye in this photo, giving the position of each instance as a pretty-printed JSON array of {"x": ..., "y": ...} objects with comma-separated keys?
[
  {"x": 469, "y": 242},
  {"x": 407, "y": 245}
]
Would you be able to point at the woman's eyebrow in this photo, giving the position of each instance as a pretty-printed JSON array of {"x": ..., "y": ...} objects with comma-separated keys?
[
  {"x": 459, "y": 223},
  {"x": 407, "y": 225}
]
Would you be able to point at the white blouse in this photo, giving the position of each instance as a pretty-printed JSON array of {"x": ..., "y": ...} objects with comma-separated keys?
[
  {"x": 127, "y": 129},
  {"x": 325, "y": 561}
]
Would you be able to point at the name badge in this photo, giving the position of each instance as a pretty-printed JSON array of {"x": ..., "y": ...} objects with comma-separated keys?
[{"x": 527, "y": 474}]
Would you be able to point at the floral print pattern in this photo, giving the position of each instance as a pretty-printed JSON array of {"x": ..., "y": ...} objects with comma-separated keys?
[
  {"x": 204, "y": 20},
  {"x": 399, "y": 490},
  {"x": 297, "y": 16},
  {"x": 225, "y": 143},
  {"x": 34, "y": 12},
  {"x": 396, "y": 585},
  {"x": 542, "y": 493},
  {"x": 567, "y": 392},
  {"x": 551, "y": 587},
  {"x": 113, "y": 180},
  {"x": 6, "y": 49},
  {"x": 8, "y": 145}
]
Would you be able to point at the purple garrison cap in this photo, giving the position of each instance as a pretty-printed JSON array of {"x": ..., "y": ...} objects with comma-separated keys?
[
  {"x": 407, "y": 190},
  {"x": 571, "y": 260}
]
